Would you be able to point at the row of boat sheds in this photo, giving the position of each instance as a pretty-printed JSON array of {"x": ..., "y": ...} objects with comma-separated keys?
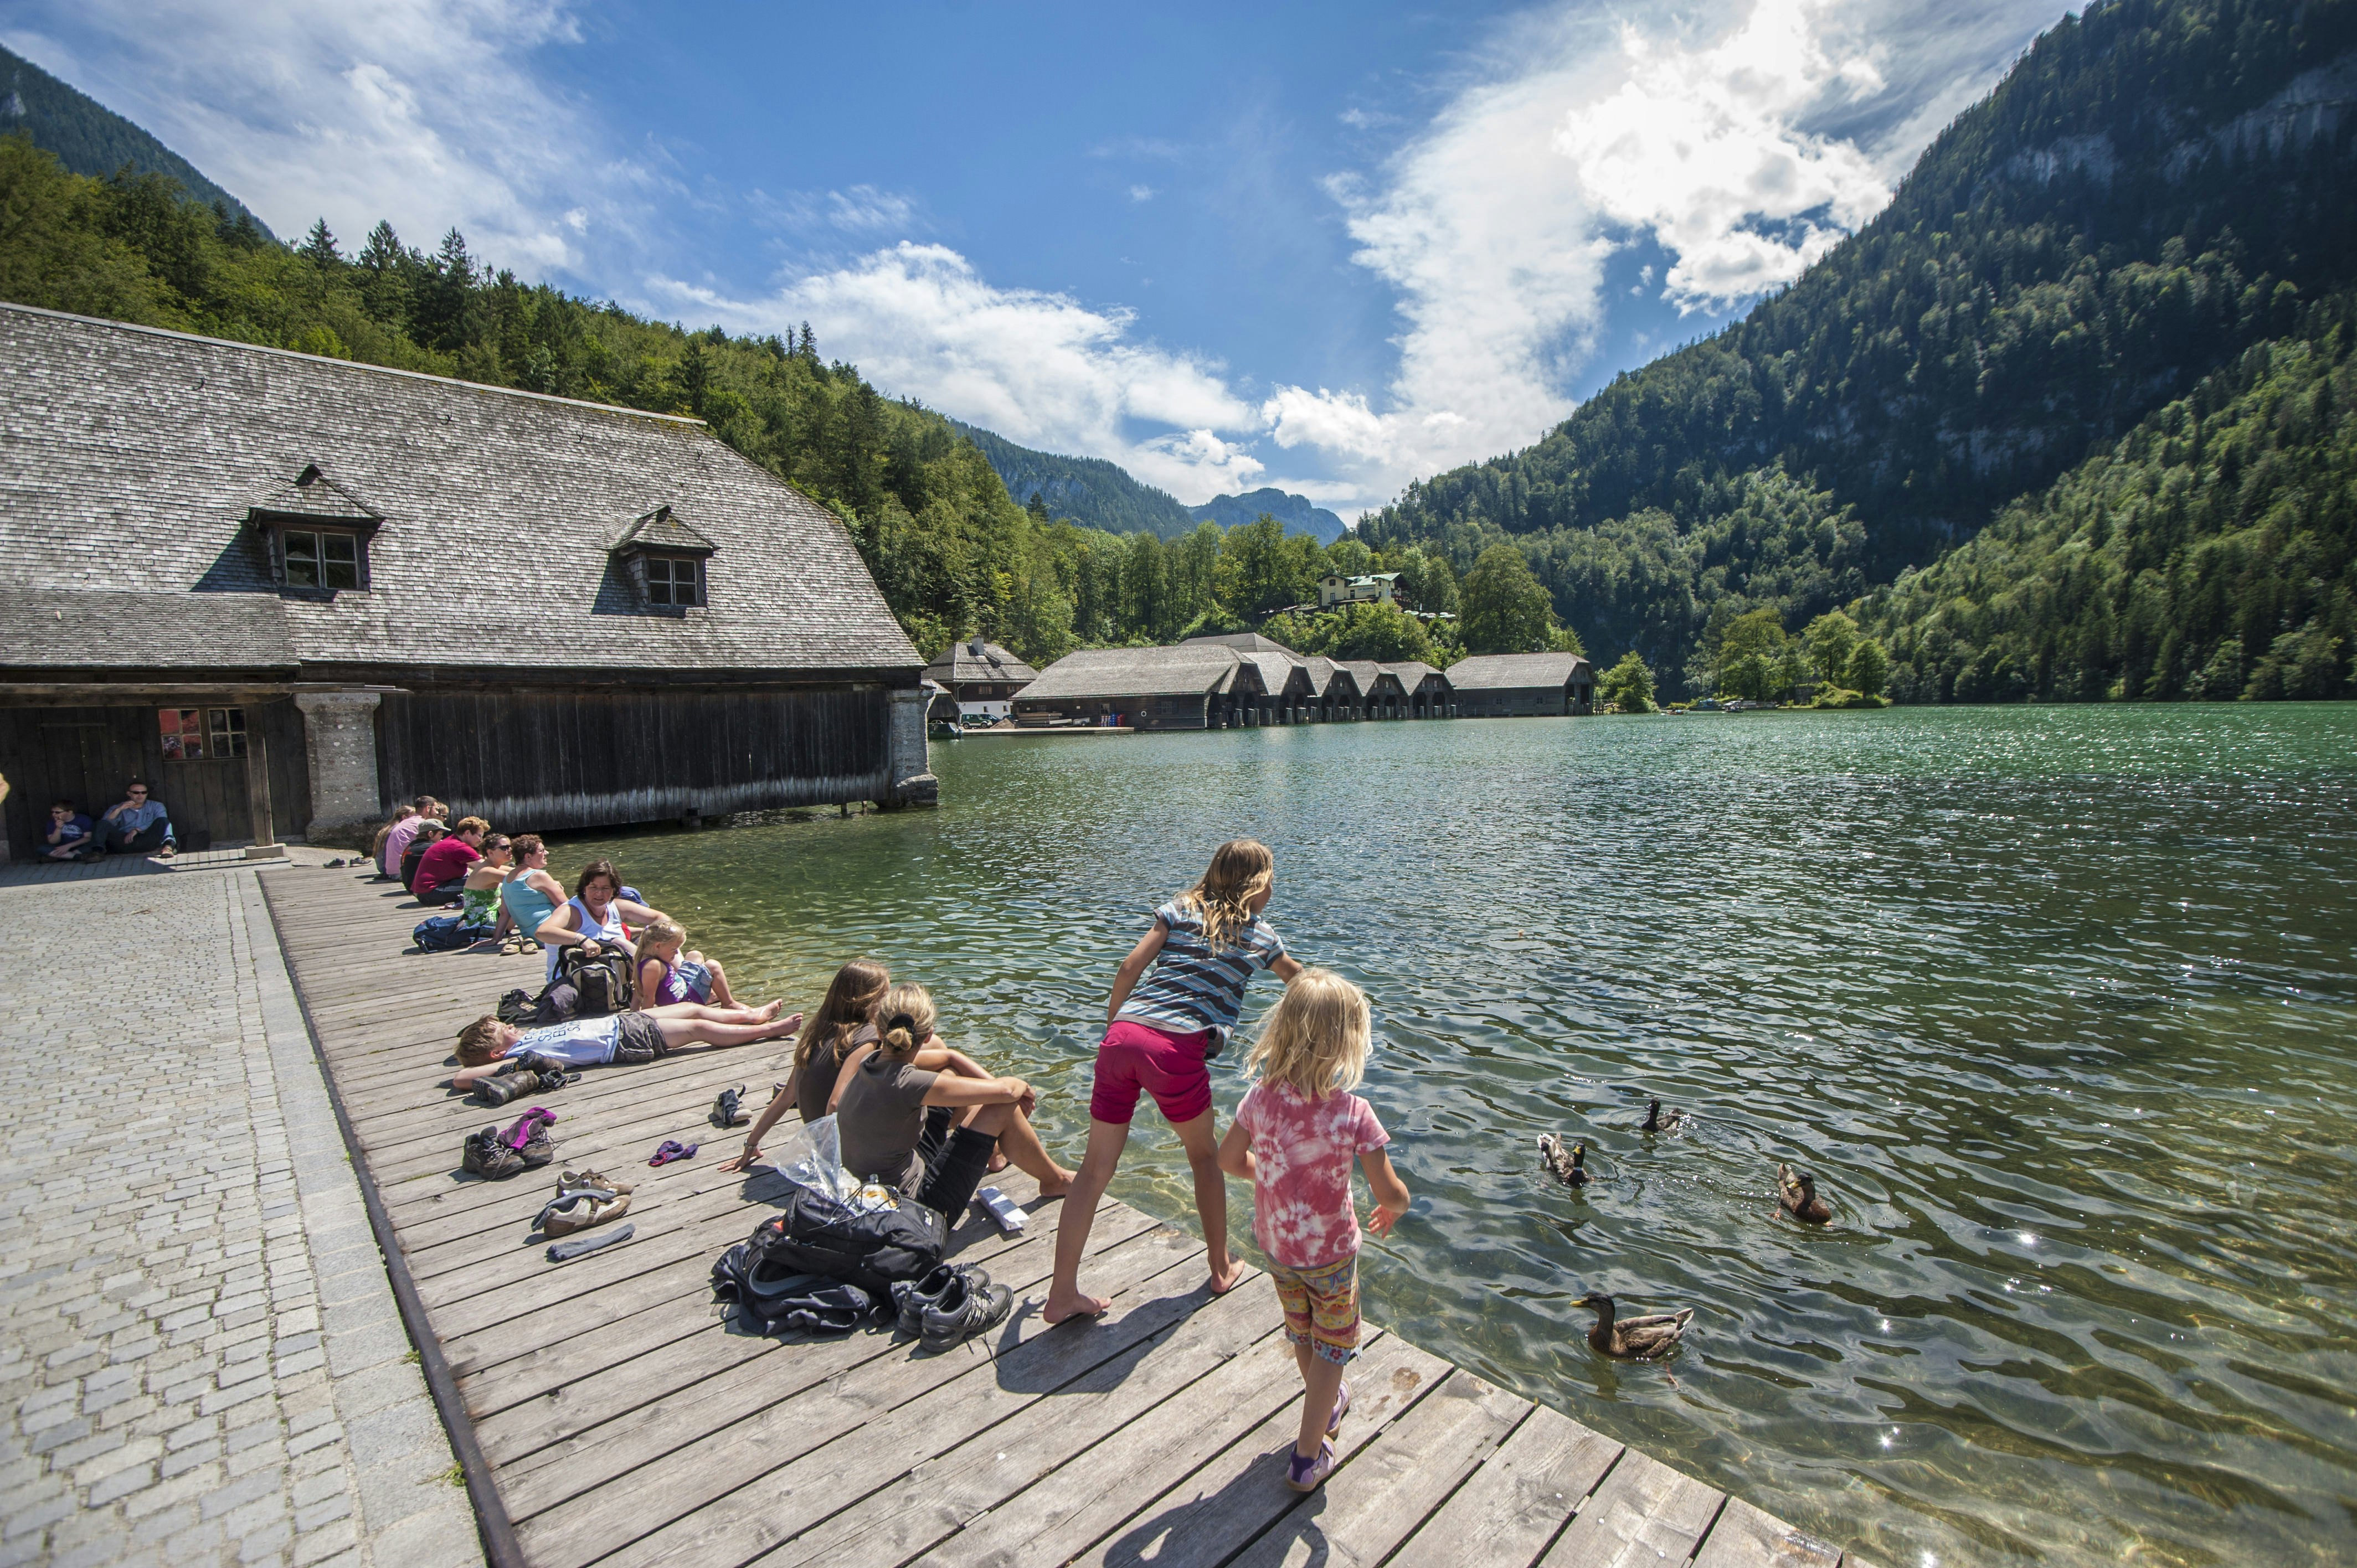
[{"x": 1242, "y": 681}]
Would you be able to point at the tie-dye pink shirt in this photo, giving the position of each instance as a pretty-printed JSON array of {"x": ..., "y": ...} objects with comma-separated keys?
[{"x": 1303, "y": 1214}]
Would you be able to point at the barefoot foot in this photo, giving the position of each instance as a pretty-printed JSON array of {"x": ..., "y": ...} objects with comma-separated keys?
[
  {"x": 770, "y": 1010},
  {"x": 1060, "y": 1184},
  {"x": 1059, "y": 1307},
  {"x": 998, "y": 1164},
  {"x": 1222, "y": 1282}
]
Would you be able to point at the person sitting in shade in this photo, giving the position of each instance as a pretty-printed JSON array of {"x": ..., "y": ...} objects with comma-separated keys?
[
  {"x": 425, "y": 809},
  {"x": 137, "y": 824},
  {"x": 70, "y": 835}
]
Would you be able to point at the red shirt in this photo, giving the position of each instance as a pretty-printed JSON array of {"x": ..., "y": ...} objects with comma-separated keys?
[{"x": 446, "y": 861}]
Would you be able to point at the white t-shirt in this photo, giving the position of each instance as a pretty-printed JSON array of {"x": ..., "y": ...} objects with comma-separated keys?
[{"x": 584, "y": 1042}]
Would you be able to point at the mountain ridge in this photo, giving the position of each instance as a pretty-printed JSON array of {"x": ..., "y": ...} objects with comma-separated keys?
[
  {"x": 1097, "y": 493},
  {"x": 91, "y": 139}
]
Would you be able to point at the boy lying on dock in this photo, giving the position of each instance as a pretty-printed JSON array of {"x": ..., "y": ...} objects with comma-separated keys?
[{"x": 624, "y": 1039}]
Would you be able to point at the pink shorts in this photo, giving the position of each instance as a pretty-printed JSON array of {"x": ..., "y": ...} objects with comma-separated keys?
[{"x": 1135, "y": 1057}]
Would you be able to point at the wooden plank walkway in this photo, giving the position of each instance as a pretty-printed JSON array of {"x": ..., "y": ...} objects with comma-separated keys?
[{"x": 624, "y": 1420}]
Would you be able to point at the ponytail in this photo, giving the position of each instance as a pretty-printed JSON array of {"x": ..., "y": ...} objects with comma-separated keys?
[
  {"x": 850, "y": 1000},
  {"x": 904, "y": 1020}
]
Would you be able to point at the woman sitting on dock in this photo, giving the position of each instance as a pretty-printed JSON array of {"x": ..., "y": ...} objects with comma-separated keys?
[
  {"x": 596, "y": 912},
  {"x": 529, "y": 895},
  {"x": 839, "y": 1037},
  {"x": 930, "y": 1135}
]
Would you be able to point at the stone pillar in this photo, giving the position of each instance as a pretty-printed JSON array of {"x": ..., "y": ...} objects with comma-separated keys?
[
  {"x": 339, "y": 735},
  {"x": 912, "y": 782}
]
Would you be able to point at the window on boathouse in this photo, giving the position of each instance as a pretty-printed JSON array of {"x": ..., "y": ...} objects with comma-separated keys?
[
  {"x": 192, "y": 735},
  {"x": 319, "y": 559}
]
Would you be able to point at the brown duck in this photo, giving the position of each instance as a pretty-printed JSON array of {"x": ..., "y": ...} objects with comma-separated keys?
[
  {"x": 1796, "y": 1195},
  {"x": 1644, "y": 1338},
  {"x": 1571, "y": 1169}
]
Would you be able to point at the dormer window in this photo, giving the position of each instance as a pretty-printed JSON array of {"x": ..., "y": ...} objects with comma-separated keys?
[
  {"x": 674, "y": 579},
  {"x": 665, "y": 560},
  {"x": 315, "y": 558},
  {"x": 315, "y": 534}
]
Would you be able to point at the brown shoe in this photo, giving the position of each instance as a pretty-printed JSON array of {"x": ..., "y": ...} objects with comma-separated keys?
[
  {"x": 574, "y": 1181},
  {"x": 578, "y": 1211}
]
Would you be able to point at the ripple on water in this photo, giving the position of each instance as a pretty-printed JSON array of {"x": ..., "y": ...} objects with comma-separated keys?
[{"x": 2057, "y": 1004}]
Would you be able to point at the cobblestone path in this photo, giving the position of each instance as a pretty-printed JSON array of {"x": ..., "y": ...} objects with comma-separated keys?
[{"x": 200, "y": 1353}]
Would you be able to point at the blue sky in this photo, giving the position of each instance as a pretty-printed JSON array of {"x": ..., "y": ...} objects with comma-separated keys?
[{"x": 1329, "y": 247}]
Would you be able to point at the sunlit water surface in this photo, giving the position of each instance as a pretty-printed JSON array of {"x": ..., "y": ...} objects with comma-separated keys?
[{"x": 2057, "y": 1002}]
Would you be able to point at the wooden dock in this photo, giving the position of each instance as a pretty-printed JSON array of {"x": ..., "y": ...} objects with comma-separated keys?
[{"x": 617, "y": 1417}]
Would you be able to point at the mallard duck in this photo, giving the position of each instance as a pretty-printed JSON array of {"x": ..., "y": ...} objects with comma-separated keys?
[
  {"x": 1657, "y": 1122},
  {"x": 1570, "y": 1170},
  {"x": 1634, "y": 1339},
  {"x": 1796, "y": 1195}
]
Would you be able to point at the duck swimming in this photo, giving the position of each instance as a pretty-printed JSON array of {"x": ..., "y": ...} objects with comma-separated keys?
[
  {"x": 1645, "y": 1338},
  {"x": 1657, "y": 1122},
  {"x": 1571, "y": 1169},
  {"x": 1796, "y": 1195}
]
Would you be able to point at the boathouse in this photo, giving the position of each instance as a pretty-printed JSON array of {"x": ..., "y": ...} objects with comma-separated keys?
[
  {"x": 981, "y": 678},
  {"x": 1191, "y": 686},
  {"x": 1333, "y": 694},
  {"x": 288, "y": 590},
  {"x": 1277, "y": 692},
  {"x": 1502, "y": 685},
  {"x": 1380, "y": 696},
  {"x": 1425, "y": 692}
]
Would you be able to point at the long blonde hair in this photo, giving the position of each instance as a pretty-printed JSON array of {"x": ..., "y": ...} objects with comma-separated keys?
[
  {"x": 904, "y": 1019},
  {"x": 849, "y": 1001},
  {"x": 1240, "y": 872},
  {"x": 1315, "y": 1039}
]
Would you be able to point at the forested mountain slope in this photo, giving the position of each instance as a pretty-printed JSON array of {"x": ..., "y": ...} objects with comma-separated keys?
[
  {"x": 2211, "y": 553},
  {"x": 1090, "y": 490},
  {"x": 1300, "y": 514},
  {"x": 88, "y": 137},
  {"x": 2155, "y": 189}
]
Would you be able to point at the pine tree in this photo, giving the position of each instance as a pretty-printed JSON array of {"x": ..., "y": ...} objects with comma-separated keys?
[
  {"x": 320, "y": 247},
  {"x": 383, "y": 252}
]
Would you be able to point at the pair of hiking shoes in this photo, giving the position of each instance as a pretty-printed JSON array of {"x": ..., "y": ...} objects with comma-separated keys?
[
  {"x": 954, "y": 1302},
  {"x": 529, "y": 1073},
  {"x": 497, "y": 1153},
  {"x": 583, "y": 1198}
]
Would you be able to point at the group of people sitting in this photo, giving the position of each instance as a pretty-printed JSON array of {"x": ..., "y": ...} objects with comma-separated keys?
[{"x": 136, "y": 824}]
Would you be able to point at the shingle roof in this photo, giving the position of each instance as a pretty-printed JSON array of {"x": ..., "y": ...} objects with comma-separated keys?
[
  {"x": 1321, "y": 671},
  {"x": 129, "y": 458},
  {"x": 961, "y": 664},
  {"x": 1275, "y": 668},
  {"x": 661, "y": 528},
  {"x": 314, "y": 494},
  {"x": 1366, "y": 672},
  {"x": 1410, "y": 673},
  {"x": 1515, "y": 671},
  {"x": 1186, "y": 671},
  {"x": 54, "y": 628},
  {"x": 1241, "y": 641}
]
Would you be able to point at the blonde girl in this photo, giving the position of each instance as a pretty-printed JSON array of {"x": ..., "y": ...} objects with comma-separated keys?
[
  {"x": 930, "y": 1135},
  {"x": 1294, "y": 1138},
  {"x": 837, "y": 1039},
  {"x": 1205, "y": 945},
  {"x": 667, "y": 974}
]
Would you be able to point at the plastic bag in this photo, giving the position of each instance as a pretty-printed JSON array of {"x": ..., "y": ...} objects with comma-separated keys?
[{"x": 814, "y": 1160}]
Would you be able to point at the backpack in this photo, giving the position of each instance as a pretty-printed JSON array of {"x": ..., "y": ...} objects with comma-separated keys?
[
  {"x": 817, "y": 1234},
  {"x": 775, "y": 1302},
  {"x": 602, "y": 984},
  {"x": 445, "y": 933}
]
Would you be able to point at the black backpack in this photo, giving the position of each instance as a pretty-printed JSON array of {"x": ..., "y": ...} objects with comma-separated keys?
[
  {"x": 601, "y": 983},
  {"x": 771, "y": 1302},
  {"x": 818, "y": 1234}
]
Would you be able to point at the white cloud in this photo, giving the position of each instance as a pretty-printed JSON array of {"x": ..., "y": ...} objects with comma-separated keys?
[
  {"x": 1141, "y": 193},
  {"x": 1571, "y": 134},
  {"x": 426, "y": 112},
  {"x": 1704, "y": 148},
  {"x": 1041, "y": 368}
]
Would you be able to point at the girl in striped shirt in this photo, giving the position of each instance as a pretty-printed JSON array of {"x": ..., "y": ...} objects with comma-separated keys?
[{"x": 1204, "y": 946}]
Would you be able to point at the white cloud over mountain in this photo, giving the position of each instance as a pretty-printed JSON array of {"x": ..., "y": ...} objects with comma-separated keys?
[{"x": 1743, "y": 138}]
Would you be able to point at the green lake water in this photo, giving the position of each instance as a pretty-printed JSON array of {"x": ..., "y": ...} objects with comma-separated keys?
[{"x": 2058, "y": 1003}]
